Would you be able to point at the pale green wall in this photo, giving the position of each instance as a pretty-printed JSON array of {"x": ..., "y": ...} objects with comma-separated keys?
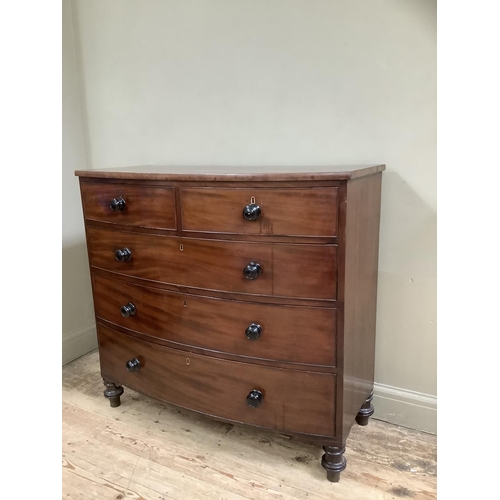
[
  {"x": 78, "y": 318},
  {"x": 304, "y": 82}
]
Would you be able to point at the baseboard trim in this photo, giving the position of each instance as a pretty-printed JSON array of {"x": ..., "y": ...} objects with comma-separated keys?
[
  {"x": 78, "y": 343},
  {"x": 411, "y": 409}
]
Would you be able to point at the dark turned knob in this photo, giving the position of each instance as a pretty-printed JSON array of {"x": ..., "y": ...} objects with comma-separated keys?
[
  {"x": 253, "y": 331},
  {"x": 133, "y": 365},
  {"x": 123, "y": 255},
  {"x": 128, "y": 310},
  {"x": 252, "y": 271},
  {"x": 255, "y": 398},
  {"x": 251, "y": 212},
  {"x": 117, "y": 204}
]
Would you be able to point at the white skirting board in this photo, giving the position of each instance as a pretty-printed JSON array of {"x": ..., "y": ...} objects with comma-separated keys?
[
  {"x": 411, "y": 409},
  {"x": 78, "y": 343}
]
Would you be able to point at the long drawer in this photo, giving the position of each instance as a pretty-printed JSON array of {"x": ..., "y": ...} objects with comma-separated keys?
[
  {"x": 287, "y": 400},
  {"x": 274, "y": 332},
  {"x": 279, "y": 211},
  {"x": 303, "y": 271},
  {"x": 130, "y": 205}
]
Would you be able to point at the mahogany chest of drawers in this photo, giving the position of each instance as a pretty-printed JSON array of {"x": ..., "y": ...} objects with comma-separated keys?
[{"x": 246, "y": 296}]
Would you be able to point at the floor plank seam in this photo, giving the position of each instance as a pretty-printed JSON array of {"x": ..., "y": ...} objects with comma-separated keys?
[{"x": 135, "y": 467}]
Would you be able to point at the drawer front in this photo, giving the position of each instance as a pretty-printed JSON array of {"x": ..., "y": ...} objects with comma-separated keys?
[
  {"x": 302, "y": 271},
  {"x": 292, "y": 212},
  {"x": 141, "y": 206},
  {"x": 292, "y": 401},
  {"x": 281, "y": 333}
]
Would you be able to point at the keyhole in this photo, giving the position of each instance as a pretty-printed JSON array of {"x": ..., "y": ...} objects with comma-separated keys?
[
  {"x": 185, "y": 304},
  {"x": 252, "y": 200},
  {"x": 181, "y": 247},
  {"x": 188, "y": 361}
]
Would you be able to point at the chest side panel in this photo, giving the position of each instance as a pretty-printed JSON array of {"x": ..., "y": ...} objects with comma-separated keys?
[{"x": 360, "y": 299}]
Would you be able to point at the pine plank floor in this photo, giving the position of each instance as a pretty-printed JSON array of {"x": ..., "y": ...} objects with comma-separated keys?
[{"x": 147, "y": 450}]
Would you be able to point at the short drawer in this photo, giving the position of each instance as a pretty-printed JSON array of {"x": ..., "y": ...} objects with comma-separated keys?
[
  {"x": 281, "y": 211},
  {"x": 130, "y": 205},
  {"x": 287, "y": 400},
  {"x": 293, "y": 334},
  {"x": 301, "y": 271}
]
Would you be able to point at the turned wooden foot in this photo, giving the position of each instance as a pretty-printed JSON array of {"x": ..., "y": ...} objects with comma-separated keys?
[
  {"x": 366, "y": 411},
  {"x": 334, "y": 462},
  {"x": 113, "y": 393}
]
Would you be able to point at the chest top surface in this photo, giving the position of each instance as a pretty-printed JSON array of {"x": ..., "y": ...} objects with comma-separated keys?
[{"x": 234, "y": 173}]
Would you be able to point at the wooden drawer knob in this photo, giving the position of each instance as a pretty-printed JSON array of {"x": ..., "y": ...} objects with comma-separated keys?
[
  {"x": 117, "y": 204},
  {"x": 128, "y": 310},
  {"x": 252, "y": 271},
  {"x": 253, "y": 331},
  {"x": 251, "y": 212},
  {"x": 133, "y": 365},
  {"x": 123, "y": 255},
  {"x": 255, "y": 398}
]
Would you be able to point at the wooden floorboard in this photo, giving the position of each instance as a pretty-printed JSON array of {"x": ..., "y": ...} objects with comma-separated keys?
[{"x": 147, "y": 450}]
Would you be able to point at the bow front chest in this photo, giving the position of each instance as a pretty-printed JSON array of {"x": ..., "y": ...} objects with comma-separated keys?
[{"x": 247, "y": 296}]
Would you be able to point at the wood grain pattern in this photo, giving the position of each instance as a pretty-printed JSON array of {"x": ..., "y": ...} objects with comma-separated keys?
[
  {"x": 285, "y": 212},
  {"x": 145, "y": 206},
  {"x": 221, "y": 173},
  {"x": 305, "y": 271},
  {"x": 294, "y": 334},
  {"x": 293, "y": 401},
  {"x": 154, "y": 451},
  {"x": 361, "y": 272}
]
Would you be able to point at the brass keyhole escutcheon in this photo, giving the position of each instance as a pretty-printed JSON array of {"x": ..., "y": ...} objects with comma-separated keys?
[
  {"x": 181, "y": 247},
  {"x": 252, "y": 200},
  {"x": 188, "y": 361}
]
